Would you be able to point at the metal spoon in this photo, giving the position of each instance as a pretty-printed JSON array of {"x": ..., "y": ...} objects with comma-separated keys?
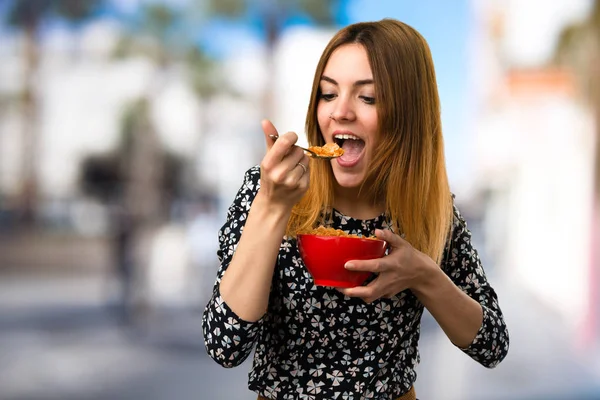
[{"x": 310, "y": 152}]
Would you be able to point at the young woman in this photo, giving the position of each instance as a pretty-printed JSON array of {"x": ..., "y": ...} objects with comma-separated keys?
[{"x": 375, "y": 94}]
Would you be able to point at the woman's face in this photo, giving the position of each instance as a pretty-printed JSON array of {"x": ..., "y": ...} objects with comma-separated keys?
[{"x": 347, "y": 114}]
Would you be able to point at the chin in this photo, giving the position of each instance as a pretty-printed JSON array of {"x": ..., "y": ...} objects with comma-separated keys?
[{"x": 348, "y": 181}]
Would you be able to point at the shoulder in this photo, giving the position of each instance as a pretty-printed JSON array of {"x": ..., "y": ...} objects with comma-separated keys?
[
  {"x": 459, "y": 231},
  {"x": 459, "y": 237},
  {"x": 457, "y": 218}
]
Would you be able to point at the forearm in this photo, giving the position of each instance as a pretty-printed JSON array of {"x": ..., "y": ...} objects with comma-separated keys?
[
  {"x": 458, "y": 315},
  {"x": 246, "y": 284}
]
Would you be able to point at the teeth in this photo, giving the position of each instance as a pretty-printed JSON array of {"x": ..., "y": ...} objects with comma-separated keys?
[{"x": 347, "y": 137}]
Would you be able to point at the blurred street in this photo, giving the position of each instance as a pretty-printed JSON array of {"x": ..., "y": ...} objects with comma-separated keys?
[
  {"x": 61, "y": 339},
  {"x": 71, "y": 346}
]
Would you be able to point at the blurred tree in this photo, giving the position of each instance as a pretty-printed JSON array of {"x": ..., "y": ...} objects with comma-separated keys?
[
  {"x": 105, "y": 176},
  {"x": 149, "y": 177},
  {"x": 142, "y": 152},
  {"x": 273, "y": 15},
  {"x": 29, "y": 16},
  {"x": 159, "y": 36},
  {"x": 578, "y": 49}
]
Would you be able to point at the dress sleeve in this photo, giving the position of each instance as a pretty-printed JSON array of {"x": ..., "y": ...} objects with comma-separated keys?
[
  {"x": 229, "y": 339},
  {"x": 462, "y": 264}
]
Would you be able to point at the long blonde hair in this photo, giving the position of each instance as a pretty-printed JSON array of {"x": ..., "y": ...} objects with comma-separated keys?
[{"x": 408, "y": 168}]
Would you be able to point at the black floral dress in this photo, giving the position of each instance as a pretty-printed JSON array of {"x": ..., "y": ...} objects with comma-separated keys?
[{"x": 316, "y": 343}]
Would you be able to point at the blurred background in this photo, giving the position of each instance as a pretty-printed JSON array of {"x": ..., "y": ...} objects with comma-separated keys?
[{"x": 125, "y": 130}]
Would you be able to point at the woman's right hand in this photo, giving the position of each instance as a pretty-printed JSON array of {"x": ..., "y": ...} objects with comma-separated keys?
[
  {"x": 246, "y": 282},
  {"x": 284, "y": 175}
]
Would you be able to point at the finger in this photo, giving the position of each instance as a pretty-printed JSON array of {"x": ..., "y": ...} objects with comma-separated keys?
[
  {"x": 283, "y": 155},
  {"x": 376, "y": 266},
  {"x": 395, "y": 241},
  {"x": 368, "y": 293},
  {"x": 269, "y": 130},
  {"x": 305, "y": 160},
  {"x": 305, "y": 179},
  {"x": 285, "y": 170},
  {"x": 284, "y": 146},
  {"x": 296, "y": 174}
]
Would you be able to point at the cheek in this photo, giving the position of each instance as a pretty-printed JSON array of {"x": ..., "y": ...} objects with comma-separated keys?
[
  {"x": 371, "y": 127},
  {"x": 322, "y": 117},
  {"x": 372, "y": 124},
  {"x": 373, "y": 119}
]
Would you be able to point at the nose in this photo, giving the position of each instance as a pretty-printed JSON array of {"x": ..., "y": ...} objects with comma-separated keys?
[{"x": 343, "y": 110}]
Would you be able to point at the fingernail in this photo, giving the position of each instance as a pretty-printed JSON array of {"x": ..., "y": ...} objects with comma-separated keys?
[{"x": 349, "y": 265}]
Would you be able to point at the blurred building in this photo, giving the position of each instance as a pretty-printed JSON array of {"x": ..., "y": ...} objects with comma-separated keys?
[
  {"x": 83, "y": 92},
  {"x": 533, "y": 155}
]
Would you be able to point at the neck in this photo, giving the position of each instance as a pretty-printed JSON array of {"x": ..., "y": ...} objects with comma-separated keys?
[{"x": 359, "y": 206}]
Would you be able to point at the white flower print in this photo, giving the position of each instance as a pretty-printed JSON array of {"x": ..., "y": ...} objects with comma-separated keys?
[
  {"x": 345, "y": 318},
  {"x": 318, "y": 371},
  {"x": 384, "y": 324},
  {"x": 331, "y": 321},
  {"x": 381, "y": 386},
  {"x": 314, "y": 387},
  {"x": 272, "y": 390},
  {"x": 226, "y": 341},
  {"x": 346, "y": 359},
  {"x": 312, "y": 305},
  {"x": 290, "y": 302},
  {"x": 316, "y": 323},
  {"x": 330, "y": 300},
  {"x": 382, "y": 308},
  {"x": 359, "y": 333},
  {"x": 286, "y": 246},
  {"x": 272, "y": 373},
  {"x": 358, "y": 386},
  {"x": 336, "y": 377},
  {"x": 246, "y": 202},
  {"x": 232, "y": 324},
  {"x": 297, "y": 263},
  {"x": 472, "y": 279}
]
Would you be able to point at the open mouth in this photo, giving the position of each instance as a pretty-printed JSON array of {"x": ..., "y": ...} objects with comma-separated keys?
[{"x": 352, "y": 145}]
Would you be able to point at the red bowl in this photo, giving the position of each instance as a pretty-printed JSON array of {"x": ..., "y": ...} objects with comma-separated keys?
[{"x": 325, "y": 257}]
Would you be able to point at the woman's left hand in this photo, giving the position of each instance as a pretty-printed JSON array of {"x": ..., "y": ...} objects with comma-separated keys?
[{"x": 403, "y": 268}]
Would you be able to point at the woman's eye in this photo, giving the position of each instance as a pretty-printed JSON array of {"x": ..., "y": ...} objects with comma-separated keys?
[
  {"x": 327, "y": 96},
  {"x": 368, "y": 100}
]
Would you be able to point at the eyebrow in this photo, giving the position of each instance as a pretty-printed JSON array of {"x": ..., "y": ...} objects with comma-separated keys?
[{"x": 357, "y": 83}]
